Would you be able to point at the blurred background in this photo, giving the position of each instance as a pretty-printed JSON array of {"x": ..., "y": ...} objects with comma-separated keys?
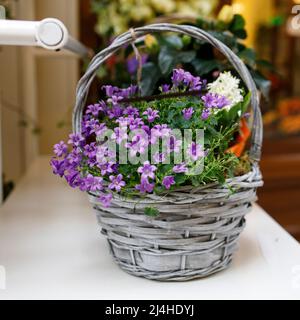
[{"x": 37, "y": 87}]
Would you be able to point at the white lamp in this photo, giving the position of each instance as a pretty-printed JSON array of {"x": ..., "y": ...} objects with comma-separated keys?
[{"x": 49, "y": 33}]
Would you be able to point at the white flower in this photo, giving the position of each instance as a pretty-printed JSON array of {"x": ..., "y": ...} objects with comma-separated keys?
[{"x": 228, "y": 86}]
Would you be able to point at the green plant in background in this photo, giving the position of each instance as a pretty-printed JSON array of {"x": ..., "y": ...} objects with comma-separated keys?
[
  {"x": 117, "y": 16},
  {"x": 161, "y": 54}
]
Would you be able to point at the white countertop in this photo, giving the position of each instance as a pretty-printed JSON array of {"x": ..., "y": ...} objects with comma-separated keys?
[{"x": 51, "y": 248}]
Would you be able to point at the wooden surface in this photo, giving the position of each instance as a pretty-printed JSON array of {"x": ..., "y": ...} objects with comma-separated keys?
[{"x": 280, "y": 195}]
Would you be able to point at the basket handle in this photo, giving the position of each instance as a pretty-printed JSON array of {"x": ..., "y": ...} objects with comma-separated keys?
[{"x": 137, "y": 33}]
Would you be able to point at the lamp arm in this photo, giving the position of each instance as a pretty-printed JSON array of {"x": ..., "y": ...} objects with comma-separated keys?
[{"x": 49, "y": 34}]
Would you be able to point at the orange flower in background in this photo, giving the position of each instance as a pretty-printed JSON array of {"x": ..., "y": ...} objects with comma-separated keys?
[
  {"x": 244, "y": 134},
  {"x": 290, "y": 124},
  {"x": 289, "y": 107}
]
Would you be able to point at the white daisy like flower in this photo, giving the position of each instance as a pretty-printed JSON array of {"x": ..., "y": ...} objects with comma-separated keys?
[{"x": 228, "y": 86}]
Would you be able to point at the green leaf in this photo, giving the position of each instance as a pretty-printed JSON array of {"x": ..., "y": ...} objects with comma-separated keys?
[
  {"x": 234, "y": 113},
  {"x": 213, "y": 131},
  {"x": 151, "y": 212},
  {"x": 238, "y": 23},
  {"x": 203, "y": 66},
  {"x": 237, "y": 26},
  {"x": 242, "y": 34},
  {"x": 185, "y": 56},
  {"x": 150, "y": 76},
  {"x": 166, "y": 60},
  {"x": 246, "y": 102},
  {"x": 173, "y": 41},
  {"x": 180, "y": 179},
  {"x": 186, "y": 40},
  {"x": 248, "y": 55}
]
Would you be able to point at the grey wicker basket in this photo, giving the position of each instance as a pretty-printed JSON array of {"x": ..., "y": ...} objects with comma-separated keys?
[{"x": 197, "y": 230}]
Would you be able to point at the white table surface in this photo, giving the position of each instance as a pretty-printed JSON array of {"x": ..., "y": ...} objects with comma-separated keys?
[{"x": 51, "y": 248}]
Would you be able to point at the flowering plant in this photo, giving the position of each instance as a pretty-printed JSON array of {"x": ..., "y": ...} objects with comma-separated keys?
[{"x": 134, "y": 146}]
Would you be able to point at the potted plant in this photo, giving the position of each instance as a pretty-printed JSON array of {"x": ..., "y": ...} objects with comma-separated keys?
[{"x": 169, "y": 175}]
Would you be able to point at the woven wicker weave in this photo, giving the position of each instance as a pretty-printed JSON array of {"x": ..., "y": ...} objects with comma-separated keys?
[{"x": 197, "y": 230}]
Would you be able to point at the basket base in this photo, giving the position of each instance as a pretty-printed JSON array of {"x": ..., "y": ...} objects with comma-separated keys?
[{"x": 174, "y": 275}]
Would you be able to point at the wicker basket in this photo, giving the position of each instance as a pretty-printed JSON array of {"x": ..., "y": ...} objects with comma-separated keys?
[{"x": 197, "y": 231}]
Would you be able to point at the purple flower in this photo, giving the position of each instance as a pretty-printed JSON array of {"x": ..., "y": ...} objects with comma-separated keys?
[
  {"x": 90, "y": 150},
  {"x": 213, "y": 100},
  {"x": 165, "y": 88},
  {"x": 115, "y": 100},
  {"x": 132, "y": 63},
  {"x": 181, "y": 77},
  {"x": 180, "y": 168},
  {"x": 123, "y": 122},
  {"x": 195, "y": 151},
  {"x": 116, "y": 182},
  {"x": 106, "y": 168},
  {"x": 132, "y": 90},
  {"x": 58, "y": 166},
  {"x": 205, "y": 114},
  {"x": 168, "y": 181},
  {"x": 119, "y": 135},
  {"x": 94, "y": 126},
  {"x": 151, "y": 114},
  {"x": 139, "y": 144},
  {"x": 73, "y": 178},
  {"x": 159, "y": 131},
  {"x": 110, "y": 90},
  {"x": 135, "y": 123},
  {"x": 106, "y": 199},
  {"x": 187, "y": 113},
  {"x": 159, "y": 157},
  {"x": 76, "y": 140},
  {"x": 178, "y": 77},
  {"x": 104, "y": 154},
  {"x": 146, "y": 129},
  {"x": 126, "y": 93},
  {"x": 94, "y": 109},
  {"x": 145, "y": 186},
  {"x": 60, "y": 149},
  {"x": 147, "y": 170},
  {"x": 195, "y": 84},
  {"x": 74, "y": 158},
  {"x": 131, "y": 111},
  {"x": 93, "y": 183},
  {"x": 174, "y": 145},
  {"x": 115, "y": 112}
]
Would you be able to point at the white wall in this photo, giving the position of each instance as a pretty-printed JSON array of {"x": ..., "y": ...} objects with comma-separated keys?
[
  {"x": 57, "y": 76},
  {"x": 40, "y": 83}
]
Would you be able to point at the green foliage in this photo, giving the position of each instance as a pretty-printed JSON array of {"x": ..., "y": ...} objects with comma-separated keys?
[
  {"x": 198, "y": 57},
  {"x": 151, "y": 212}
]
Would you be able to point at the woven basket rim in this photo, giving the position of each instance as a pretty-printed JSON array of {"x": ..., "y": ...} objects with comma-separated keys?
[{"x": 252, "y": 177}]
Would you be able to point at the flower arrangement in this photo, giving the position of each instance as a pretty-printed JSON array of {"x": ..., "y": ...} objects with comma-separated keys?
[{"x": 135, "y": 145}]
